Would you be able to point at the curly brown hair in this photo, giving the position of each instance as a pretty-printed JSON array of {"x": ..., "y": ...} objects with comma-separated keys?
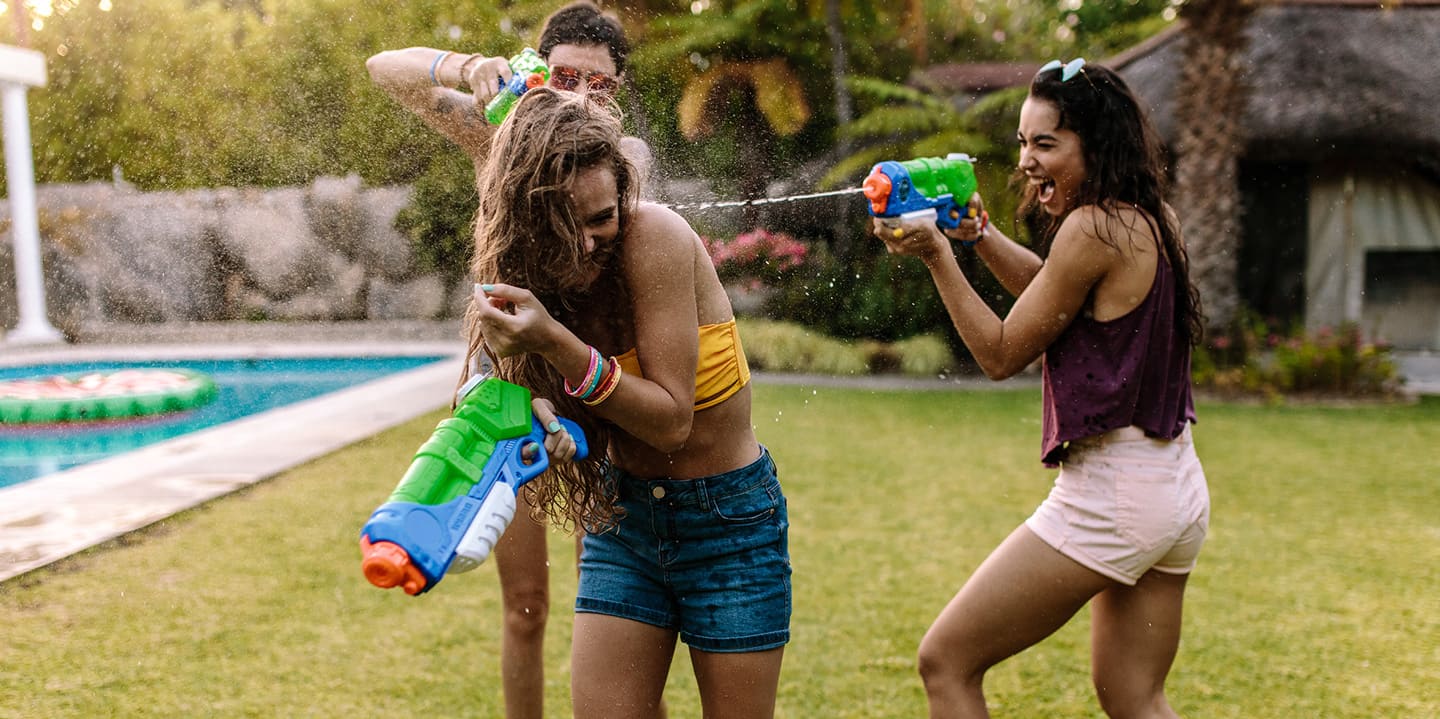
[{"x": 528, "y": 234}]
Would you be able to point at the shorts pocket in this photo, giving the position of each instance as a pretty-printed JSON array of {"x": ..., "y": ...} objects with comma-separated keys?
[
  {"x": 753, "y": 506},
  {"x": 1147, "y": 505}
]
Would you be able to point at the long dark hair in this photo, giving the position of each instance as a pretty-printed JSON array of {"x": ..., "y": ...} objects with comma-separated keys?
[
  {"x": 528, "y": 234},
  {"x": 1124, "y": 165}
]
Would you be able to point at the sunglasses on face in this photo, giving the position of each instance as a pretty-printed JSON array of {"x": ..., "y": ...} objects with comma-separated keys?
[
  {"x": 1067, "y": 70},
  {"x": 563, "y": 77}
]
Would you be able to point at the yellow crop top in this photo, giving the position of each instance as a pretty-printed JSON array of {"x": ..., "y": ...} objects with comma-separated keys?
[{"x": 720, "y": 371}]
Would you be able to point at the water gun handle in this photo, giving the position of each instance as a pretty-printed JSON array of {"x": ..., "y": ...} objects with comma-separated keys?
[{"x": 498, "y": 506}]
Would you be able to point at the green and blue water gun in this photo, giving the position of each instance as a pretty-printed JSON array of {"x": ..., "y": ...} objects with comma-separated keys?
[
  {"x": 458, "y": 495},
  {"x": 919, "y": 187}
]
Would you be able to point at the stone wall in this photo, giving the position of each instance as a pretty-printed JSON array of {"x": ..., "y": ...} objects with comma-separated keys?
[{"x": 327, "y": 251}]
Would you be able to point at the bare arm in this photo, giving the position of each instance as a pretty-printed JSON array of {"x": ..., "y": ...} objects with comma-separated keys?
[
  {"x": 659, "y": 410},
  {"x": 1046, "y": 306},
  {"x": 1013, "y": 264},
  {"x": 406, "y": 75}
]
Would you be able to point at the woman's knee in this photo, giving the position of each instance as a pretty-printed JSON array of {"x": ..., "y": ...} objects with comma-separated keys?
[
  {"x": 526, "y": 610},
  {"x": 1122, "y": 699},
  {"x": 943, "y": 663}
]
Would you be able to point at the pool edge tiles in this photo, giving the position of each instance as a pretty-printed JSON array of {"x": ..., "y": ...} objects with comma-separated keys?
[{"x": 52, "y": 517}]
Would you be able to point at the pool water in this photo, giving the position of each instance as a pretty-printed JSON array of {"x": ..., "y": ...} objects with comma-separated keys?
[{"x": 246, "y": 386}]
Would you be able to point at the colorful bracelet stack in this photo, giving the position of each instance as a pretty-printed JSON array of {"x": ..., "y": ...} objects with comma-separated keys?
[
  {"x": 607, "y": 386},
  {"x": 600, "y": 381}
]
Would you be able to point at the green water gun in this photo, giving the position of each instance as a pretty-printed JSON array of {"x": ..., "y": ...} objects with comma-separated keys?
[{"x": 529, "y": 71}]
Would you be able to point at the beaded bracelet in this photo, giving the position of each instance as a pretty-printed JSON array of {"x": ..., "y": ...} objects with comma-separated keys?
[
  {"x": 592, "y": 377},
  {"x": 435, "y": 65},
  {"x": 465, "y": 73},
  {"x": 612, "y": 380}
]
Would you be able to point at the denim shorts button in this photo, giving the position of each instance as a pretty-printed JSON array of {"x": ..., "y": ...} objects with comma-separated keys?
[{"x": 658, "y": 492}]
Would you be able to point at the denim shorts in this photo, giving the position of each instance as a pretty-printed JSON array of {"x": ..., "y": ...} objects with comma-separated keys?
[
  {"x": 708, "y": 558},
  {"x": 1125, "y": 504}
]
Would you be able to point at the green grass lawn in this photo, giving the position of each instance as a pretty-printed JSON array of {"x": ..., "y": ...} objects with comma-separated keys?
[{"x": 1317, "y": 595}]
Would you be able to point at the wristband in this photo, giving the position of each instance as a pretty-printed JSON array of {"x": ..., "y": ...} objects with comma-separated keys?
[{"x": 436, "y": 65}]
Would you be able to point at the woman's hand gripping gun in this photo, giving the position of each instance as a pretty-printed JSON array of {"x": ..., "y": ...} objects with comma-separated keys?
[
  {"x": 923, "y": 186},
  {"x": 458, "y": 495}
]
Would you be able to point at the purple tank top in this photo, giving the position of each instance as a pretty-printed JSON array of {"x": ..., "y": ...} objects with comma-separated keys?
[{"x": 1132, "y": 370}]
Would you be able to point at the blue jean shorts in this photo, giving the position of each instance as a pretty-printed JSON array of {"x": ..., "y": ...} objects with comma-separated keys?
[{"x": 708, "y": 558}]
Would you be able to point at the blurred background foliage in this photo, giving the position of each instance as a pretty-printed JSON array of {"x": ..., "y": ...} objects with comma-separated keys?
[{"x": 740, "y": 94}]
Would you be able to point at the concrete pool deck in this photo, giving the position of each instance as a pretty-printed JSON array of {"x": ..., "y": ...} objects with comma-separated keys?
[{"x": 52, "y": 517}]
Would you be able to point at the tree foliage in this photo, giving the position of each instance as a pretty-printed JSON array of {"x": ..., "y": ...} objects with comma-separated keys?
[{"x": 189, "y": 93}]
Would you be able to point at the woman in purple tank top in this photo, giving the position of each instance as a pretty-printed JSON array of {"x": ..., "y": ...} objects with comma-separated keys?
[{"x": 1112, "y": 312}]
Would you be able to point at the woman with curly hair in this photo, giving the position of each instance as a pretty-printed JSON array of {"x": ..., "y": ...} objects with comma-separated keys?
[{"x": 610, "y": 311}]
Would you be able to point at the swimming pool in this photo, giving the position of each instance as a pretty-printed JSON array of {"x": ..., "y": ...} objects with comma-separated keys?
[{"x": 246, "y": 386}]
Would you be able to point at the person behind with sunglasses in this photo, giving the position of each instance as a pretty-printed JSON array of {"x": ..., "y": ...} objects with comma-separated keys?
[
  {"x": 610, "y": 308},
  {"x": 1113, "y": 313},
  {"x": 586, "y": 51}
]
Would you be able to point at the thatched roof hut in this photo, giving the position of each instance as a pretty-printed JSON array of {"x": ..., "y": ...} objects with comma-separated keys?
[
  {"x": 1324, "y": 76},
  {"x": 1340, "y": 160}
]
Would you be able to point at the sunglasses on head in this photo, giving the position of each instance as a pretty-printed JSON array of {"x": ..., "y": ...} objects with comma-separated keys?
[
  {"x": 1067, "y": 70},
  {"x": 563, "y": 77}
]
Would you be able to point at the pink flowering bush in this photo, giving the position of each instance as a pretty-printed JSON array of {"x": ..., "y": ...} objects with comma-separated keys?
[{"x": 758, "y": 257}]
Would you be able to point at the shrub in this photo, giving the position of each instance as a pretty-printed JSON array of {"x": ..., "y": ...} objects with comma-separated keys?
[
  {"x": 789, "y": 347},
  {"x": 1254, "y": 359},
  {"x": 926, "y": 355},
  {"x": 786, "y": 347}
]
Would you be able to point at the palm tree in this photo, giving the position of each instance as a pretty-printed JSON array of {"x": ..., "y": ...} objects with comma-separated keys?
[
  {"x": 764, "y": 98},
  {"x": 1210, "y": 102}
]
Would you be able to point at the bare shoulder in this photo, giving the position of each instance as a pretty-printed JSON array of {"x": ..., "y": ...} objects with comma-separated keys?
[
  {"x": 659, "y": 228},
  {"x": 1086, "y": 229}
]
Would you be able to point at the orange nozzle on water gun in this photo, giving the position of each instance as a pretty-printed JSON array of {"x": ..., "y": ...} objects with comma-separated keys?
[
  {"x": 387, "y": 565},
  {"x": 534, "y": 80},
  {"x": 877, "y": 189}
]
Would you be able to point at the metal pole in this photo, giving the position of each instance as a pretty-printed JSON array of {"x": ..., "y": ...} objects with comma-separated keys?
[{"x": 33, "y": 326}]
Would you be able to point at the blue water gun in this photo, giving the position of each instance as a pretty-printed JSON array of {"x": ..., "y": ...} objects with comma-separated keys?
[
  {"x": 458, "y": 495},
  {"x": 922, "y": 186}
]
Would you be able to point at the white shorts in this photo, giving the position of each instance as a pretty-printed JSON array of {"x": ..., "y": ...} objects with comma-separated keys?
[{"x": 1125, "y": 503}]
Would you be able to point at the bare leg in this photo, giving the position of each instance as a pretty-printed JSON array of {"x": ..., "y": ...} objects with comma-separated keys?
[
  {"x": 1020, "y": 594},
  {"x": 661, "y": 712},
  {"x": 738, "y": 686},
  {"x": 618, "y": 667},
  {"x": 1134, "y": 634},
  {"x": 523, "y": 564}
]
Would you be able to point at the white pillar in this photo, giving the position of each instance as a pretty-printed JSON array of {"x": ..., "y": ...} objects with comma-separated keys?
[{"x": 19, "y": 69}]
